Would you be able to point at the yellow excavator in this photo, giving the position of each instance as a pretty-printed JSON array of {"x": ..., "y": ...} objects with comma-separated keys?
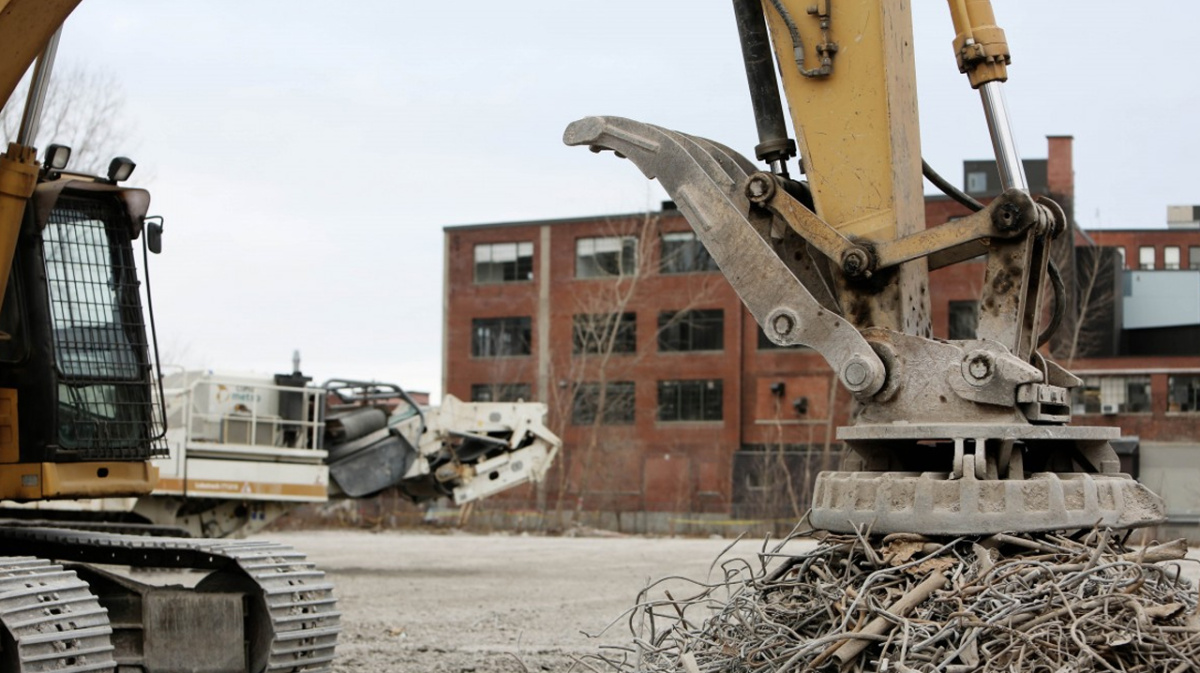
[
  {"x": 947, "y": 437},
  {"x": 79, "y": 418}
]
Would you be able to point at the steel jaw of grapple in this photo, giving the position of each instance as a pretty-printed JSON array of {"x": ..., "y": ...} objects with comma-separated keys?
[
  {"x": 905, "y": 470},
  {"x": 707, "y": 181}
]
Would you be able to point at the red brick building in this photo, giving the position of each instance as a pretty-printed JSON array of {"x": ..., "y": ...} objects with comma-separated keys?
[{"x": 668, "y": 399}]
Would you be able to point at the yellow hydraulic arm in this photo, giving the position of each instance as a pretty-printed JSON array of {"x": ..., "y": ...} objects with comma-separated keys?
[{"x": 26, "y": 27}]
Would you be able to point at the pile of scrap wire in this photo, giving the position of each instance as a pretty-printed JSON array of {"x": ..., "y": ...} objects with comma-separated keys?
[{"x": 905, "y": 603}]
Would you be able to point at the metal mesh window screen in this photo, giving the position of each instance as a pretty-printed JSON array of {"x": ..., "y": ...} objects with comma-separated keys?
[{"x": 105, "y": 402}]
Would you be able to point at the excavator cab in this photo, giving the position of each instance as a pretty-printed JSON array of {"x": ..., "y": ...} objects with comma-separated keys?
[{"x": 75, "y": 357}]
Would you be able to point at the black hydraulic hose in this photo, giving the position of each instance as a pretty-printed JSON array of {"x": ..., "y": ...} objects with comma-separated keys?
[
  {"x": 1060, "y": 303},
  {"x": 1056, "y": 279},
  {"x": 162, "y": 403},
  {"x": 774, "y": 144},
  {"x": 949, "y": 189},
  {"x": 793, "y": 32}
]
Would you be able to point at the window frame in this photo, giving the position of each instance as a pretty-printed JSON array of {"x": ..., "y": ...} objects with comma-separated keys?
[
  {"x": 1142, "y": 263},
  {"x": 1167, "y": 264},
  {"x": 523, "y": 326},
  {"x": 690, "y": 256},
  {"x": 1192, "y": 383},
  {"x": 517, "y": 264},
  {"x": 672, "y": 404},
  {"x": 625, "y": 341},
  {"x": 1090, "y": 396},
  {"x": 627, "y": 246},
  {"x": 622, "y": 413},
  {"x": 502, "y": 392},
  {"x": 680, "y": 335},
  {"x": 977, "y": 182}
]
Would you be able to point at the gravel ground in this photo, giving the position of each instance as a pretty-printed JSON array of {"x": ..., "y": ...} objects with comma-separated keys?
[
  {"x": 485, "y": 604},
  {"x": 489, "y": 603}
]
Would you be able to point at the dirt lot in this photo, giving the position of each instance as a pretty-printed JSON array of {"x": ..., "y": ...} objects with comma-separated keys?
[
  {"x": 455, "y": 603},
  {"x": 469, "y": 603}
]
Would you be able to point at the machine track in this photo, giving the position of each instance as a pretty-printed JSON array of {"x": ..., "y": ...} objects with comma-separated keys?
[
  {"x": 292, "y": 624},
  {"x": 53, "y": 621}
]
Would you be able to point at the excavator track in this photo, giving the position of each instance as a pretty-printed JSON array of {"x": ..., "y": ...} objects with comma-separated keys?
[
  {"x": 292, "y": 623},
  {"x": 52, "y": 621}
]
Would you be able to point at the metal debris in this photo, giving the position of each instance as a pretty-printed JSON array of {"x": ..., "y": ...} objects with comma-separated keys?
[{"x": 905, "y": 603}]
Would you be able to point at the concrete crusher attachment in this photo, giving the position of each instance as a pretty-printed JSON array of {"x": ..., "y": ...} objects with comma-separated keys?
[
  {"x": 379, "y": 437},
  {"x": 247, "y": 449}
]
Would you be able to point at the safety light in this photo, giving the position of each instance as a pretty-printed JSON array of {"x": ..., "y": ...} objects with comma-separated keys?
[
  {"x": 120, "y": 169},
  {"x": 57, "y": 157}
]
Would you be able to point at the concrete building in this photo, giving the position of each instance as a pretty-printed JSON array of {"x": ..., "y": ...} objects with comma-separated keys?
[{"x": 676, "y": 411}]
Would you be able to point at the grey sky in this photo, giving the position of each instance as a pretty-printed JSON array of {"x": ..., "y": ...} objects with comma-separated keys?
[{"x": 306, "y": 155}]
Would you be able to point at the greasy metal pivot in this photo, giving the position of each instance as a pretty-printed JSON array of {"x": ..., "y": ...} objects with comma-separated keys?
[{"x": 708, "y": 181}]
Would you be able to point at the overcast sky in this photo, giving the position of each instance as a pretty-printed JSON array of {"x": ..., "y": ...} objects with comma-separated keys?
[{"x": 307, "y": 155}]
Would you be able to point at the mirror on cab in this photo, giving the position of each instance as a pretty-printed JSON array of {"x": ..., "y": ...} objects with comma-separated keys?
[{"x": 154, "y": 230}]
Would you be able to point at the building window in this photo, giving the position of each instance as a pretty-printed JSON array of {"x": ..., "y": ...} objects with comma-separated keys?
[
  {"x": 1121, "y": 252},
  {"x": 500, "y": 392},
  {"x": 702, "y": 330},
  {"x": 1146, "y": 258},
  {"x": 977, "y": 183},
  {"x": 699, "y": 400},
  {"x": 1194, "y": 257},
  {"x": 1183, "y": 392},
  {"x": 765, "y": 344},
  {"x": 609, "y": 256},
  {"x": 495, "y": 337},
  {"x": 1171, "y": 257},
  {"x": 682, "y": 252},
  {"x": 604, "y": 333},
  {"x": 614, "y": 407},
  {"x": 1112, "y": 395},
  {"x": 503, "y": 262},
  {"x": 964, "y": 319}
]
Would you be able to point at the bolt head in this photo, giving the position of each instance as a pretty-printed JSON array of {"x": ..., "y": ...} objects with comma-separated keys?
[
  {"x": 855, "y": 262},
  {"x": 979, "y": 367},
  {"x": 783, "y": 324},
  {"x": 856, "y": 373},
  {"x": 760, "y": 188}
]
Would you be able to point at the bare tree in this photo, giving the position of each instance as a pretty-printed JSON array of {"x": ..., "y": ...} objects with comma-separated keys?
[
  {"x": 85, "y": 110},
  {"x": 1093, "y": 324},
  {"x": 596, "y": 390}
]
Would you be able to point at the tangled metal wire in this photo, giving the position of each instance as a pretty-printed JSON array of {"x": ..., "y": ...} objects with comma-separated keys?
[{"x": 1037, "y": 603}]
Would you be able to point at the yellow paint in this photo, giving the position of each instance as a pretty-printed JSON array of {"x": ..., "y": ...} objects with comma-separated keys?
[
  {"x": 18, "y": 177},
  {"x": 979, "y": 46},
  {"x": 227, "y": 487},
  {"x": 25, "y": 27},
  {"x": 850, "y": 126},
  {"x": 858, "y": 136},
  {"x": 40, "y": 481},
  {"x": 10, "y": 449}
]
